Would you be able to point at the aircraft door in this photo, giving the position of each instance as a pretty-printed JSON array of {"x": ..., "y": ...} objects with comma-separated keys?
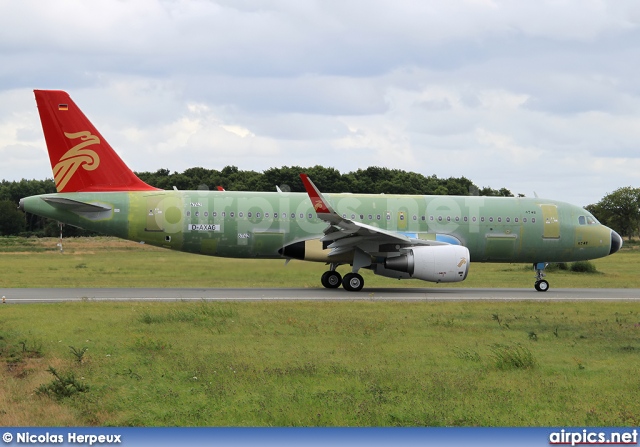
[
  {"x": 154, "y": 213},
  {"x": 551, "y": 222},
  {"x": 402, "y": 220}
]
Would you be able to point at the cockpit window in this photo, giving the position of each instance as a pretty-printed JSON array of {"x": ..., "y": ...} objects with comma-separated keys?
[{"x": 587, "y": 220}]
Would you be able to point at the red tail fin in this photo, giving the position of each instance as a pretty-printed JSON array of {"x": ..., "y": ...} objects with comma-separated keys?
[{"x": 81, "y": 158}]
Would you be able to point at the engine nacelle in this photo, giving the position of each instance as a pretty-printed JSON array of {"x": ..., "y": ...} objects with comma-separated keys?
[{"x": 438, "y": 263}]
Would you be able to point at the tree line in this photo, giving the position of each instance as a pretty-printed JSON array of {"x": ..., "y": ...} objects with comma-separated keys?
[
  {"x": 373, "y": 180},
  {"x": 620, "y": 210}
]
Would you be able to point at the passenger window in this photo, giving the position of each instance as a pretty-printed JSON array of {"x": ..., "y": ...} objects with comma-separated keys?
[{"x": 378, "y": 217}]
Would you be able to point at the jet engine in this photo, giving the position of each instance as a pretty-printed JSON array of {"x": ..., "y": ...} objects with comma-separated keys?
[{"x": 439, "y": 263}]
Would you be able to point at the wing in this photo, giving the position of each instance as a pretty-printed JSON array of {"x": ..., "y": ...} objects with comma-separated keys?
[{"x": 344, "y": 235}]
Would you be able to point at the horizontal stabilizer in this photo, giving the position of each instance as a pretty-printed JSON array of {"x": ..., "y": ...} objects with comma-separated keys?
[{"x": 74, "y": 205}]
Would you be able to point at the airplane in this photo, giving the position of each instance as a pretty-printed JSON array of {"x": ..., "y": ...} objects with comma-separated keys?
[{"x": 431, "y": 238}]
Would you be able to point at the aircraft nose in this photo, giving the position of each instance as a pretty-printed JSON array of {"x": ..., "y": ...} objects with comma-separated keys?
[{"x": 616, "y": 242}]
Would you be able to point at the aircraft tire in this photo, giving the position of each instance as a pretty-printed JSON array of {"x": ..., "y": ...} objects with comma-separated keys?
[
  {"x": 542, "y": 285},
  {"x": 353, "y": 282},
  {"x": 331, "y": 279}
]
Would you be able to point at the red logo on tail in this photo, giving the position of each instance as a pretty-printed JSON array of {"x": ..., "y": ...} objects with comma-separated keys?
[{"x": 75, "y": 157}]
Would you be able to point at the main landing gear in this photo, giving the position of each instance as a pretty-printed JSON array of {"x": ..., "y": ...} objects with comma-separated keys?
[
  {"x": 331, "y": 279},
  {"x": 352, "y": 282},
  {"x": 541, "y": 285}
]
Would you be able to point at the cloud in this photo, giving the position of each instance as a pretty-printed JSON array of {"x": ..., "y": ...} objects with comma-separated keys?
[{"x": 506, "y": 93}]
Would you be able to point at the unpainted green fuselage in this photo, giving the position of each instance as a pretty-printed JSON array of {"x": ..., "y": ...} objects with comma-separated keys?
[{"x": 258, "y": 225}]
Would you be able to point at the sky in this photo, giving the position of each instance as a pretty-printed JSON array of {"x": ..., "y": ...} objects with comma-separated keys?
[{"x": 534, "y": 96}]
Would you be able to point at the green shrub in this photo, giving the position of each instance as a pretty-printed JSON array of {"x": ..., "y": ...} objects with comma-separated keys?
[
  {"x": 555, "y": 266},
  {"x": 583, "y": 267},
  {"x": 63, "y": 385},
  {"x": 78, "y": 353}
]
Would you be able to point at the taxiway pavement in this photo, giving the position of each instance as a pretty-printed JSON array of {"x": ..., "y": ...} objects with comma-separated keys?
[{"x": 43, "y": 295}]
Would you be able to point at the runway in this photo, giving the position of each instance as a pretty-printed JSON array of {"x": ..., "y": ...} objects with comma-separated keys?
[{"x": 24, "y": 296}]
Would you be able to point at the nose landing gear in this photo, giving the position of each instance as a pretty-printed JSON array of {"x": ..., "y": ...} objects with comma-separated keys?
[{"x": 541, "y": 285}]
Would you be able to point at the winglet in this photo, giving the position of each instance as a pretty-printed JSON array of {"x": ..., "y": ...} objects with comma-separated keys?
[{"x": 317, "y": 200}]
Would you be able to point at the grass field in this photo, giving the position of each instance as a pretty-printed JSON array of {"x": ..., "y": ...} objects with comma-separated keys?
[
  {"x": 363, "y": 363},
  {"x": 110, "y": 262},
  {"x": 323, "y": 364}
]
